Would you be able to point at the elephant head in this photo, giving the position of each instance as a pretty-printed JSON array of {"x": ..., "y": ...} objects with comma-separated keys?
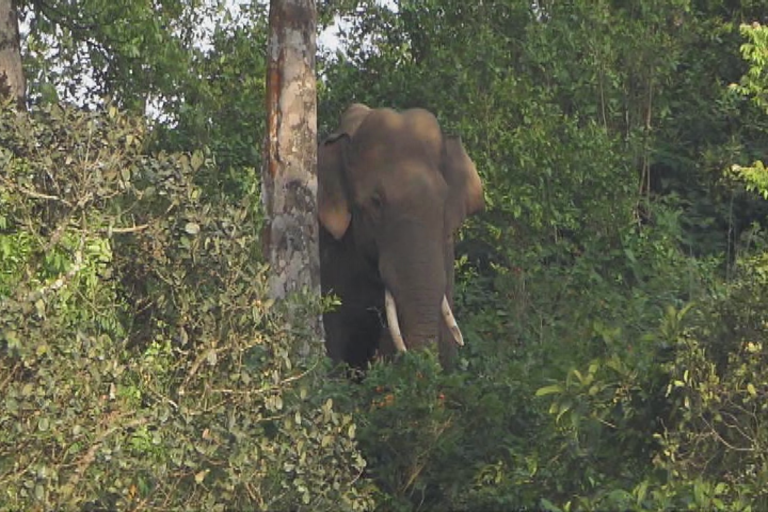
[{"x": 392, "y": 190}]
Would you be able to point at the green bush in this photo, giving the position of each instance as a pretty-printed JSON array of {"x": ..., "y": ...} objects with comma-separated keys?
[
  {"x": 141, "y": 365},
  {"x": 715, "y": 448},
  {"x": 445, "y": 441}
]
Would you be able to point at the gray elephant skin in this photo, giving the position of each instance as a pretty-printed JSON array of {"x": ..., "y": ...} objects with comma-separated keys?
[{"x": 392, "y": 192}]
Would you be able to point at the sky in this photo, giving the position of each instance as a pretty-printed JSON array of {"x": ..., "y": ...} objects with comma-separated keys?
[{"x": 327, "y": 40}]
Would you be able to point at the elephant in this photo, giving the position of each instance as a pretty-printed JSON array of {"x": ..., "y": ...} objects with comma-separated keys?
[{"x": 392, "y": 191}]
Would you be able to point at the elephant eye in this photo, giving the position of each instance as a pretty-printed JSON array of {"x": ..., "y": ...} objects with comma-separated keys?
[{"x": 377, "y": 201}]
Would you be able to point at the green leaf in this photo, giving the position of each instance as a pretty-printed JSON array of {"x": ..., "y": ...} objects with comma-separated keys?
[
  {"x": 200, "y": 476},
  {"x": 196, "y": 161},
  {"x": 549, "y": 390},
  {"x": 549, "y": 506}
]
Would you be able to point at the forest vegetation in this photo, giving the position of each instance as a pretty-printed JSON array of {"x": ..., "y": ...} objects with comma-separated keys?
[{"x": 613, "y": 295}]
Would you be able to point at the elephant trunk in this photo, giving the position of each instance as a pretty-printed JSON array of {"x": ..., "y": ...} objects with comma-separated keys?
[
  {"x": 418, "y": 320},
  {"x": 415, "y": 280},
  {"x": 394, "y": 322}
]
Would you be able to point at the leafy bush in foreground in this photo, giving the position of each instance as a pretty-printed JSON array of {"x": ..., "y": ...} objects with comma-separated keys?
[{"x": 140, "y": 363}]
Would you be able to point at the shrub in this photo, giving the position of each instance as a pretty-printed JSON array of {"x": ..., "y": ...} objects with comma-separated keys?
[{"x": 141, "y": 364}]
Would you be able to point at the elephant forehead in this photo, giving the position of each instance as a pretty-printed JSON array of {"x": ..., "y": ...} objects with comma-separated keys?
[
  {"x": 415, "y": 180},
  {"x": 414, "y": 130},
  {"x": 403, "y": 179},
  {"x": 393, "y": 152}
]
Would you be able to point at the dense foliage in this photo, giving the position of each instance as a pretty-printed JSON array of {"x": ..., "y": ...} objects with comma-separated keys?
[
  {"x": 142, "y": 365},
  {"x": 613, "y": 296}
]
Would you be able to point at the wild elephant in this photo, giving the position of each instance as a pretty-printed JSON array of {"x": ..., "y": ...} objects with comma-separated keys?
[{"x": 392, "y": 191}]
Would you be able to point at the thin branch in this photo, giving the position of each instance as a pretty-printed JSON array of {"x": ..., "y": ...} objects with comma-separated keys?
[
  {"x": 735, "y": 425},
  {"x": 10, "y": 376},
  {"x": 33, "y": 193},
  {"x": 419, "y": 467},
  {"x": 726, "y": 443},
  {"x": 605, "y": 422},
  {"x": 196, "y": 366},
  {"x": 265, "y": 390},
  {"x": 87, "y": 459},
  {"x": 113, "y": 230}
]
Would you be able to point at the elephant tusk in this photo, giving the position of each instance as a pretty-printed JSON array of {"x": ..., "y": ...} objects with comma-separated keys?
[
  {"x": 394, "y": 325},
  {"x": 450, "y": 321}
]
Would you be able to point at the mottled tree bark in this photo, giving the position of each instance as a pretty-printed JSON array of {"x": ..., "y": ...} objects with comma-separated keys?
[
  {"x": 289, "y": 185},
  {"x": 11, "y": 74}
]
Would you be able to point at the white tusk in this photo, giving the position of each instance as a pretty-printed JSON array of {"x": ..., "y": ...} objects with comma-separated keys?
[
  {"x": 394, "y": 325},
  {"x": 450, "y": 321}
]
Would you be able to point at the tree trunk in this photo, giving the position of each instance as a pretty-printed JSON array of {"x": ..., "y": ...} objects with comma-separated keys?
[
  {"x": 11, "y": 74},
  {"x": 289, "y": 185}
]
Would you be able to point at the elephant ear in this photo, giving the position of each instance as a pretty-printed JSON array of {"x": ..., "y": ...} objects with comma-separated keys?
[
  {"x": 332, "y": 195},
  {"x": 332, "y": 203},
  {"x": 465, "y": 195}
]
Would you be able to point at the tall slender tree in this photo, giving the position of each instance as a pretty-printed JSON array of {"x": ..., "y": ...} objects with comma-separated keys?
[
  {"x": 290, "y": 170},
  {"x": 11, "y": 73}
]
